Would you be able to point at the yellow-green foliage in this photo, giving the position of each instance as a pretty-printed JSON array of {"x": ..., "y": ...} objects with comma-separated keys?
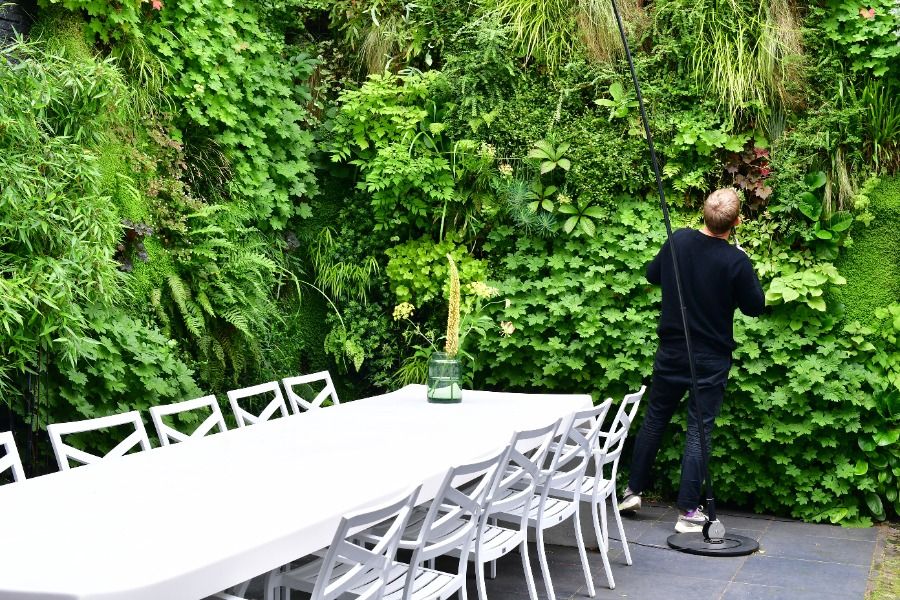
[
  {"x": 872, "y": 264},
  {"x": 63, "y": 30},
  {"x": 150, "y": 275}
]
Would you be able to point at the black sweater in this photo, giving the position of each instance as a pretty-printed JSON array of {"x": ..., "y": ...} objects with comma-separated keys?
[{"x": 716, "y": 278}]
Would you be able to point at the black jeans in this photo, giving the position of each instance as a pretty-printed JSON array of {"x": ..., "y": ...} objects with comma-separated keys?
[{"x": 671, "y": 379}]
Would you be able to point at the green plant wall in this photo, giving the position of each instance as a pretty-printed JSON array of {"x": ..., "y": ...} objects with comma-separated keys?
[{"x": 872, "y": 264}]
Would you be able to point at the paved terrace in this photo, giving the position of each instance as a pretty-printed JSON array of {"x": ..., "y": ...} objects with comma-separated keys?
[{"x": 797, "y": 561}]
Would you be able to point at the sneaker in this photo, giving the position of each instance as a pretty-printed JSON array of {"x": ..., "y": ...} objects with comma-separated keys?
[
  {"x": 631, "y": 502},
  {"x": 691, "y": 521}
]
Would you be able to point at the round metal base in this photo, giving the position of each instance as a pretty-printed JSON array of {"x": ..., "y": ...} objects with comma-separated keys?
[{"x": 731, "y": 545}]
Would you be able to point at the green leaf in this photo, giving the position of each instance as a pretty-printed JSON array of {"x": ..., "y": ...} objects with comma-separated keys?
[
  {"x": 547, "y": 204},
  {"x": 567, "y": 209},
  {"x": 616, "y": 90},
  {"x": 873, "y": 501},
  {"x": 817, "y": 304},
  {"x": 841, "y": 221},
  {"x": 565, "y": 163},
  {"x": 570, "y": 223},
  {"x": 861, "y": 468},
  {"x": 810, "y": 206},
  {"x": 815, "y": 180},
  {"x": 887, "y": 438},
  {"x": 587, "y": 226}
]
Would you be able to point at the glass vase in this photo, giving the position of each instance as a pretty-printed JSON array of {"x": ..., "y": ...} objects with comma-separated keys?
[{"x": 444, "y": 379}]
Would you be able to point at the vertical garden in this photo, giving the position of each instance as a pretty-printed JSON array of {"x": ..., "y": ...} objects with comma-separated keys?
[{"x": 201, "y": 194}]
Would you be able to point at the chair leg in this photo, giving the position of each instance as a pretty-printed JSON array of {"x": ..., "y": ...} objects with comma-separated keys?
[
  {"x": 579, "y": 537},
  {"x": 604, "y": 527},
  {"x": 615, "y": 503},
  {"x": 463, "y": 593},
  {"x": 529, "y": 575},
  {"x": 493, "y": 569},
  {"x": 603, "y": 541},
  {"x": 542, "y": 558},
  {"x": 602, "y": 544},
  {"x": 271, "y": 585},
  {"x": 479, "y": 580}
]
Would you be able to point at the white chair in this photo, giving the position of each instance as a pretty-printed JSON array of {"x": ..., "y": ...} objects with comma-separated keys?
[
  {"x": 607, "y": 455},
  {"x": 245, "y": 417},
  {"x": 599, "y": 488},
  {"x": 447, "y": 523},
  {"x": 514, "y": 488},
  {"x": 168, "y": 434},
  {"x": 64, "y": 452},
  {"x": 573, "y": 451},
  {"x": 348, "y": 567},
  {"x": 11, "y": 460},
  {"x": 298, "y": 402}
]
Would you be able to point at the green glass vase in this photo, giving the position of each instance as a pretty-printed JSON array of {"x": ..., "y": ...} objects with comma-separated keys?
[{"x": 444, "y": 379}]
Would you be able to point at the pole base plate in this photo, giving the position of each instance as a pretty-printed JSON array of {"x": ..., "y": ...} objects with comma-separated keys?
[{"x": 731, "y": 545}]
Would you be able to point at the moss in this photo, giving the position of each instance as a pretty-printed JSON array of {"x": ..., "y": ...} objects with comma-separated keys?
[
  {"x": 149, "y": 275},
  {"x": 871, "y": 264},
  {"x": 63, "y": 30}
]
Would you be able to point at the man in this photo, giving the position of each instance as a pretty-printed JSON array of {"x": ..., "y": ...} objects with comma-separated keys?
[{"x": 716, "y": 278}]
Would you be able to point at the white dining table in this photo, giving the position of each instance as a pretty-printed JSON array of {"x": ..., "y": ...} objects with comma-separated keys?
[{"x": 188, "y": 520}]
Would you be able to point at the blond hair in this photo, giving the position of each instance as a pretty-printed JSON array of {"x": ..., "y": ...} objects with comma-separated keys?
[{"x": 721, "y": 210}]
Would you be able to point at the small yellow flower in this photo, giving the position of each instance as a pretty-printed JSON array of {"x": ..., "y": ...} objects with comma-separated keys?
[
  {"x": 404, "y": 310},
  {"x": 563, "y": 199},
  {"x": 507, "y": 328},
  {"x": 488, "y": 150},
  {"x": 482, "y": 290},
  {"x": 508, "y": 303},
  {"x": 505, "y": 169}
]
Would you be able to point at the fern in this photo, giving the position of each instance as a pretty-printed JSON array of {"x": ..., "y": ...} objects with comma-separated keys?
[{"x": 221, "y": 294}]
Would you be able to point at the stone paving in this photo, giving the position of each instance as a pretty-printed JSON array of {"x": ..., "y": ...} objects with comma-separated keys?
[{"x": 797, "y": 561}]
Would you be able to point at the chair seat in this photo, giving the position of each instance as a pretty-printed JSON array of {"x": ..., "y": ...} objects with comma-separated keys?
[
  {"x": 428, "y": 583},
  {"x": 556, "y": 510}
]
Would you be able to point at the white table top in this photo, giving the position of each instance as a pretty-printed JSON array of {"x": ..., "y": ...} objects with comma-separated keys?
[{"x": 189, "y": 520}]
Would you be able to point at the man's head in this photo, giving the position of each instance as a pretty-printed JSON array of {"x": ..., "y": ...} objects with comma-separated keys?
[{"x": 721, "y": 210}]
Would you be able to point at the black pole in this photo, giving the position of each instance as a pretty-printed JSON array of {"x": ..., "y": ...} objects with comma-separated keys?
[{"x": 704, "y": 448}]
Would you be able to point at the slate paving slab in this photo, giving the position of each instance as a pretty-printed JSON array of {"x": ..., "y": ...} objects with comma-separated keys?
[{"x": 797, "y": 561}]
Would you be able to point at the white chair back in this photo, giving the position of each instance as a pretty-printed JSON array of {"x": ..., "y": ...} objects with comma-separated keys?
[
  {"x": 11, "y": 461},
  {"x": 245, "y": 417},
  {"x": 627, "y": 409},
  {"x": 520, "y": 472},
  {"x": 65, "y": 452},
  {"x": 294, "y": 386},
  {"x": 574, "y": 449},
  {"x": 354, "y": 561},
  {"x": 168, "y": 434},
  {"x": 453, "y": 517}
]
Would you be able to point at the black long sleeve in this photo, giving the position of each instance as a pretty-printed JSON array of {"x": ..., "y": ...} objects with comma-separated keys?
[{"x": 716, "y": 279}]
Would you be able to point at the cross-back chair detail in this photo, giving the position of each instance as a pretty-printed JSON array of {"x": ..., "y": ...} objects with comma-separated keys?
[
  {"x": 64, "y": 452},
  {"x": 168, "y": 434},
  {"x": 11, "y": 460},
  {"x": 299, "y": 403},
  {"x": 245, "y": 417}
]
